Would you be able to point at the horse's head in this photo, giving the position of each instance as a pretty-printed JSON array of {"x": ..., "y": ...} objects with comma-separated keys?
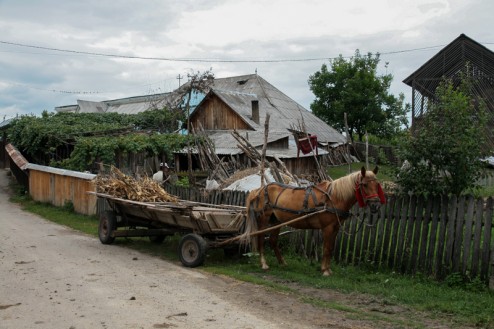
[{"x": 368, "y": 190}]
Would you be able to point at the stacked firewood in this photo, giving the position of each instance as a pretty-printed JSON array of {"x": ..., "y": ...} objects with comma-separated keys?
[{"x": 119, "y": 185}]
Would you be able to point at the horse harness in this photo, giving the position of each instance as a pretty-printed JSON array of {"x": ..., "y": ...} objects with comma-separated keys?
[{"x": 309, "y": 193}]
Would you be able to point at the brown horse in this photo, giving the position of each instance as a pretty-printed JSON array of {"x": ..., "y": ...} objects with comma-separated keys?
[{"x": 329, "y": 202}]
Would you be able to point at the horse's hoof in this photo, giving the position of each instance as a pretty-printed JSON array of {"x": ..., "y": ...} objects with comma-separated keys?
[{"x": 327, "y": 273}]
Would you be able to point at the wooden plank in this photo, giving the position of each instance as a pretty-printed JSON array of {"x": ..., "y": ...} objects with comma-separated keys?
[
  {"x": 443, "y": 228},
  {"x": 450, "y": 234},
  {"x": 389, "y": 222},
  {"x": 358, "y": 239},
  {"x": 458, "y": 237},
  {"x": 477, "y": 237},
  {"x": 394, "y": 248},
  {"x": 433, "y": 234},
  {"x": 467, "y": 236},
  {"x": 366, "y": 235},
  {"x": 417, "y": 230},
  {"x": 486, "y": 248},
  {"x": 409, "y": 234},
  {"x": 350, "y": 258},
  {"x": 344, "y": 234},
  {"x": 401, "y": 233},
  {"x": 425, "y": 234},
  {"x": 379, "y": 234}
]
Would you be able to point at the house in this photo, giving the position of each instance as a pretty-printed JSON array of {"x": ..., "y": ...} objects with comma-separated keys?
[
  {"x": 241, "y": 103},
  {"x": 449, "y": 63}
]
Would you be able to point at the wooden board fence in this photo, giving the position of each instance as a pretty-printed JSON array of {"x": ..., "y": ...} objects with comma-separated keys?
[{"x": 435, "y": 236}]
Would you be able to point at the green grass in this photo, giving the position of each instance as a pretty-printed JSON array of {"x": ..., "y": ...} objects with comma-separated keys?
[
  {"x": 456, "y": 304},
  {"x": 384, "y": 172}
]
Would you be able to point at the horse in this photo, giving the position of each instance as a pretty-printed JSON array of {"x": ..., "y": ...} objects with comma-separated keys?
[{"x": 322, "y": 206}]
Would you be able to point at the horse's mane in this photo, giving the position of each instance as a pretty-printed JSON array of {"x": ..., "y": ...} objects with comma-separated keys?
[{"x": 344, "y": 187}]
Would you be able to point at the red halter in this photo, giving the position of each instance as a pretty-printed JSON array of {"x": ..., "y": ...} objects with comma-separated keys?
[{"x": 363, "y": 198}]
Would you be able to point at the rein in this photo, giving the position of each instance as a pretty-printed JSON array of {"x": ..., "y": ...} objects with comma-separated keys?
[{"x": 309, "y": 192}]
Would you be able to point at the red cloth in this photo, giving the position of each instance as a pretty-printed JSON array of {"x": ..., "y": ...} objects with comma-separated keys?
[{"x": 307, "y": 147}]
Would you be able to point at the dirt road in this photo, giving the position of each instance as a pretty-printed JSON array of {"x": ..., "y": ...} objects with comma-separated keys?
[{"x": 55, "y": 277}]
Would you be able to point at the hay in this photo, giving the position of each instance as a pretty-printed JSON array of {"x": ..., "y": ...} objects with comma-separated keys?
[{"x": 119, "y": 185}]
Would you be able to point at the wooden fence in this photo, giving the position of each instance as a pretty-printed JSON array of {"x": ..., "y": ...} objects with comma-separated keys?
[
  {"x": 234, "y": 198},
  {"x": 435, "y": 236}
]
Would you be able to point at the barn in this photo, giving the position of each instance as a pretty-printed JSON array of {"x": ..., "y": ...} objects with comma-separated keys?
[{"x": 450, "y": 62}]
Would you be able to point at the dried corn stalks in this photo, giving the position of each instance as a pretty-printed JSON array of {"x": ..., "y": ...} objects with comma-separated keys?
[{"x": 122, "y": 186}]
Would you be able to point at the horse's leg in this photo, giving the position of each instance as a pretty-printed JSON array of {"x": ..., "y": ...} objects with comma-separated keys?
[
  {"x": 329, "y": 236},
  {"x": 261, "y": 224},
  {"x": 273, "y": 242}
]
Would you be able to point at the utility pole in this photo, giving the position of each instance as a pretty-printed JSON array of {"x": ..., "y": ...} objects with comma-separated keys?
[{"x": 179, "y": 77}]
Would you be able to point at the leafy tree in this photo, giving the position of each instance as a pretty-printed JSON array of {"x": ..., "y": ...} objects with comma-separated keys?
[
  {"x": 354, "y": 87},
  {"x": 444, "y": 153}
]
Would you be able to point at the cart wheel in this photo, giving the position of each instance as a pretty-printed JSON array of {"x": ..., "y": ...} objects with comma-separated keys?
[
  {"x": 157, "y": 239},
  {"x": 107, "y": 224},
  {"x": 192, "y": 250}
]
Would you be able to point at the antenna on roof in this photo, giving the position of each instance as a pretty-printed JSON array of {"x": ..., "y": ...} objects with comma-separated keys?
[{"x": 256, "y": 70}]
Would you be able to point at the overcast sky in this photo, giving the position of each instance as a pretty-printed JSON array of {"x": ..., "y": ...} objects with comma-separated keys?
[{"x": 230, "y": 37}]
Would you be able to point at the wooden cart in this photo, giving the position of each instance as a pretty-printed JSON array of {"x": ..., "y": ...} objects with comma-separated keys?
[{"x": 201, "y": 225}]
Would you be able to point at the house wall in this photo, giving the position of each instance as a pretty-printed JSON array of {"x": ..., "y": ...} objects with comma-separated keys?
[{"x": 216, "y": 115}]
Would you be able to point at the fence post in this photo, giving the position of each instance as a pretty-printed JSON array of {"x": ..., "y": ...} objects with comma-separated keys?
[{"x": 491, "y": 277}]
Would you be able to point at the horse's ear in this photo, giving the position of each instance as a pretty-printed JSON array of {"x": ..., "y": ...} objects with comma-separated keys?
[
  {"x": 362, "y": 171},
  {"x": 375, "y": 170}
]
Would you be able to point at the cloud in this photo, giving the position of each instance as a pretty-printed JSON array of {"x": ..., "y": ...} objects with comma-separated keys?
[{"x": 35, "y": 79}]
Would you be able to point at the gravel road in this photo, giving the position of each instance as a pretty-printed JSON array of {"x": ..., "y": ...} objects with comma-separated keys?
[{"x": 55, "y": 277}]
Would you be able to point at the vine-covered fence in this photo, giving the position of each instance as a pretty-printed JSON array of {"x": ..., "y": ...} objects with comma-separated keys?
[{"x": 436, "y": 236}]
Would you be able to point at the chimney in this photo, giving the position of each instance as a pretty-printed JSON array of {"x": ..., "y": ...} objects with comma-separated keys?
[{"x": 255, "y": 111}]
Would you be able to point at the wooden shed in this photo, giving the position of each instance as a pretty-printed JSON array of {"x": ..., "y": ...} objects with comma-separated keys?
[{"x": 449, "y": 63}]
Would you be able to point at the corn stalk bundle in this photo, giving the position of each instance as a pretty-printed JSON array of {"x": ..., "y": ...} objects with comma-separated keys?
[{"x": 119, "y": 185}]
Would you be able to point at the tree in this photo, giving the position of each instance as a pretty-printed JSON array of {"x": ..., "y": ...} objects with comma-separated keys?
[
  {"x": 354, "y": 87},
  {"x": 444, "y": 154}
]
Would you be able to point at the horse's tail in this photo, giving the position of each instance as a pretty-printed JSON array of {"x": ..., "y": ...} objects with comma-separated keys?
[{"x": 253, "y": 209}]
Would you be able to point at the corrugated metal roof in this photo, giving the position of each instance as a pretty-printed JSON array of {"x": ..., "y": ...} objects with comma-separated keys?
[
  {"x": 62, "y": 172},
  {"x": 91, "y": 107},
  {"x": 5, "y": 123},
  {"x": 129, "y": 105}
]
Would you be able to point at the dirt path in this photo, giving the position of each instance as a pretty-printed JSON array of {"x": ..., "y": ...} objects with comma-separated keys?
[{"x": 55, "y": 277}]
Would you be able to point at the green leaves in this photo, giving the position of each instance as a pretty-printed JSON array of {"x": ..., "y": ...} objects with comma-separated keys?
[
  {"x": 353, "y": 86},
  {"x": 77, "y": 140},
  {"x": 445, "y": 151}
]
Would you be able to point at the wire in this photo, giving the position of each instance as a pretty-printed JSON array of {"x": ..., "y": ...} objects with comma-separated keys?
[{"x": 207, "y": 60}]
